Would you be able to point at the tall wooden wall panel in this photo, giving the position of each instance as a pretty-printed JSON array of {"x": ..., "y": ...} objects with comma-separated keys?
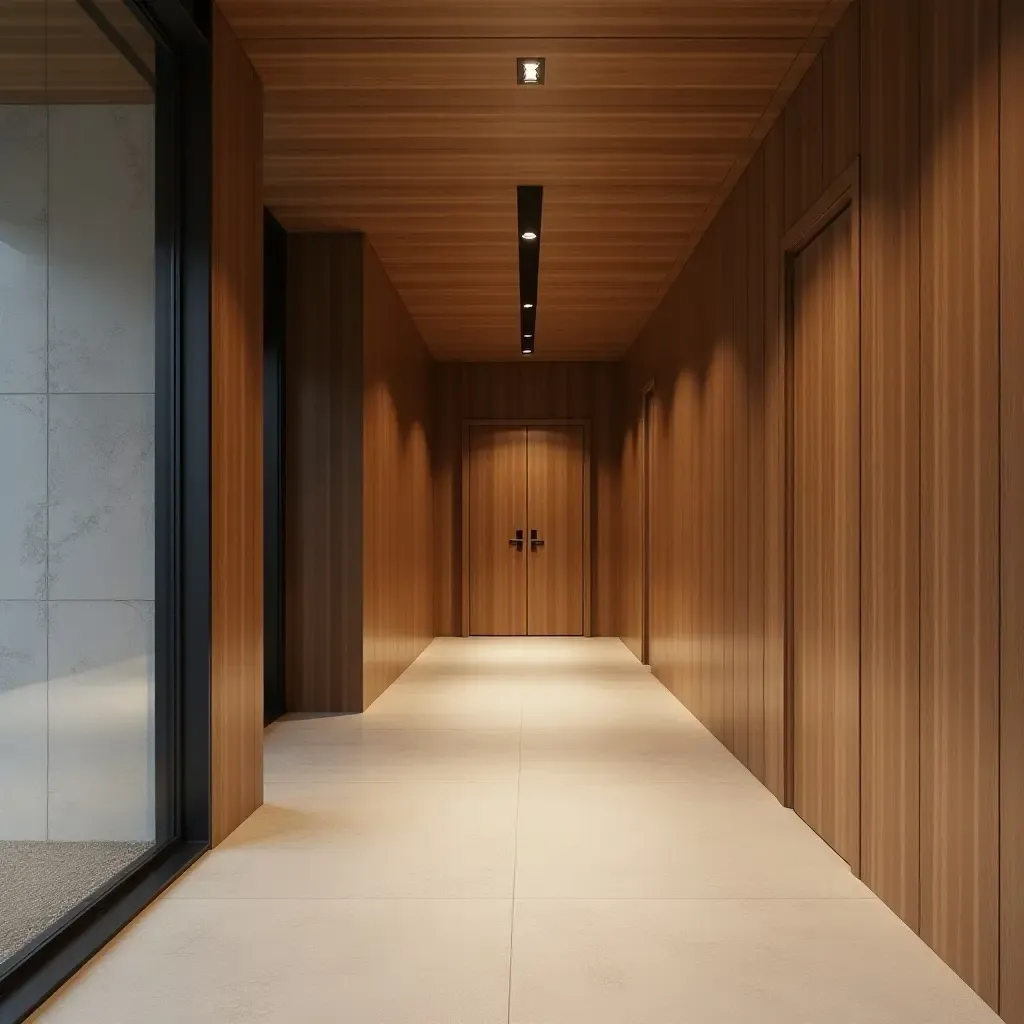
[
  {"x": 236, "y": 655},
  {"x": 702, "y": 647},
  {"x": 359, "y": 492},
  {"x": 840, "y": 59},
  {"x": 714, "y": 427},
  {"x": 1011, "y": 830},
  {"x": 630, "y": 556},
  {"x": 323, "y": 474},
  {"x": 736, "y": 520},
  {"x": 804, "y": 134},
  {"x": 913, "y": 90},
  {"x": 397, "y": 490},
  {"x": 890, "y": 417},
  {"x": 532, "y": 390},
  {"x": 774, "y": 428},
  {"x": 960, "y": 488},
  {"x": 755, "y": 632}
]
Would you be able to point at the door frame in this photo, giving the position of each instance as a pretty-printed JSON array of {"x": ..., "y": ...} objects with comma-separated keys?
[
  {"x": 588, "y": 500},
  {"x": 842, "y": 195}
]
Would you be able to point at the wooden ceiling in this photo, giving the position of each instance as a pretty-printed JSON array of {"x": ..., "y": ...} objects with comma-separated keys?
[
  {"x": 403, "y": 119},
  {"x": 52, "y": 51}
]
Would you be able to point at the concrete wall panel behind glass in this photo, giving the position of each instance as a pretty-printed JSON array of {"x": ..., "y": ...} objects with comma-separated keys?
[{"x": 77, "y": 353}]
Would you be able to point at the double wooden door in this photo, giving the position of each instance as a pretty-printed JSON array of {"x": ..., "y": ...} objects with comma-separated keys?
[{"x": 526, "y": 530}]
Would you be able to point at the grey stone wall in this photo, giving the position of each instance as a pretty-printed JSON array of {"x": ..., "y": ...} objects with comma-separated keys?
[{"x": 76, "y": 472}]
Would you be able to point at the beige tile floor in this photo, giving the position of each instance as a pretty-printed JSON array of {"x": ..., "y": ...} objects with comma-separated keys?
[{"x": 518, "y": 831}]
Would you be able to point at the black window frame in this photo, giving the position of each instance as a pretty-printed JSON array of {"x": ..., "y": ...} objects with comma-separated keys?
[{"x": 182, "y": 637}]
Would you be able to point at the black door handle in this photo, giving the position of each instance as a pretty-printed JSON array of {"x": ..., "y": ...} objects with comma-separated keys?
[
  {"x": 517, "y": 540},
  {"x": 535, "y": 541}
]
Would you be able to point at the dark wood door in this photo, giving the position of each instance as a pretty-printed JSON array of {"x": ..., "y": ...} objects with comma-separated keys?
[
  {"x": 555, "y": 497},
  {"x": 826, "y": 539},
  {"x": 497, "y": 472}
]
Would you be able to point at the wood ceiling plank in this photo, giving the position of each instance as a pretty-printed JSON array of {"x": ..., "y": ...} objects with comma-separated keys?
[
  {"x": 469, "y": 19},
  {"x": 51, "y": 51},
  {"x": 403, "y": 119}
]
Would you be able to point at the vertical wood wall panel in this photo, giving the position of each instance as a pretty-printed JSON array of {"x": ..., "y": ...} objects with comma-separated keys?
[
  {"x": 825, "y": 532},
  {"x": 913, "y": 89},
  {"x": 1011, "y": 1001},
  {"x": 532, "y": 390},
  {"x": 359, "y": 491},
  {"x": 236, "y": 656},
  {"x": 891, "y": 515},
  {"x": 804, "y": 135},
  {"x": 397, "y": 490},
  {"x": 960, "y": 488},
  {"x": 755, "y": 633},
  {"x": 774, "y": 427},
  {"x": 324, "y": 474},
  {"x": 841, "y": 95}
]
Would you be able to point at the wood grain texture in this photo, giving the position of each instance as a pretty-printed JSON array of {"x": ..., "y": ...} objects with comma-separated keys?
[
  {"x": 697, "y": 352},
  {"x": 941, "y": 603},
  {"x": 397, "y": 490},
  {"x": 960, "y": 489},
  {"x": 51, "y": 51},
  {"x": 804, "y": 132},
  {"x": 755, "y": 410},
  {"x": 236, "y": 294},
  {"x": 630, "y": 557},
  {"x": 358, "y": 551},
  {"x": 324, "y": 474},
  {"x": 840, "y": 94},
  {"x": 891, "y": 444},
  {"x": 737, "y": 457},
  {"x": 509, "y": 18},
  {"x": 825, "y": 532},
  {"x": 496, "y": 508},
  {"x": 775, "y": 468},
  {"x": 526, "y": 391},
  {"x": 1011, "y": 814},
  {"x": 404, "y": 121},
  {"x": 556, "y": 510}
]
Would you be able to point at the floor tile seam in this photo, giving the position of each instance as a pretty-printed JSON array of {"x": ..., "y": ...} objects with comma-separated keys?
[
  {"x": 698, "y": 899},
  {"x": 515, "y": 858},
  {"x": 837, "y": 900},
  {"x": 334, "y": 899}
]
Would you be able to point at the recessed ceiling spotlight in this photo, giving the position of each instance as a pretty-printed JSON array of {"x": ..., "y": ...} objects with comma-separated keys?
[
  {"x": 529, "y": 236},
  {"x": 530, "y": 70},
  {"x": 527, "y": 305},
  {"x": 527, "y": 335}
]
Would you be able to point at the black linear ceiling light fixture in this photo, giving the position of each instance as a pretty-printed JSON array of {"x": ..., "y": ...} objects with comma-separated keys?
[{"x": 529, "y": 200}]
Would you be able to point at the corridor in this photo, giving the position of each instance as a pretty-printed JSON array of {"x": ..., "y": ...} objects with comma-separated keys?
[{"x": 525, "y": 831}]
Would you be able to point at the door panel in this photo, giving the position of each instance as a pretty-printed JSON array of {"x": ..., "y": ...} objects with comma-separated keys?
[
  {"x": 497, "y": 508},
  {"x": 826, "y": 539},
  {"x": 556, "y": 512}
]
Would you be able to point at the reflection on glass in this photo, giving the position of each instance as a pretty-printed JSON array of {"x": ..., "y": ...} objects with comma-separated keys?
[{"x": 77, "y": 340}]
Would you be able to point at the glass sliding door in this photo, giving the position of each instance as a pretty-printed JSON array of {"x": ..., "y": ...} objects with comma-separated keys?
[
  {"x": 77, "y": 390},
  {"x": 93, "y": 746}
]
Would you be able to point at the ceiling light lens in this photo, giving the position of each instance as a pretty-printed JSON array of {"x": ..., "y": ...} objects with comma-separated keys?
[
  {"x": 529, "y": 236},
  {"x": 530, "y": 70},
  {"x": 527, "y": 305}
]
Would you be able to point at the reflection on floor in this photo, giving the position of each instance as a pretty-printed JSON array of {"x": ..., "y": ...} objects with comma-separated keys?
[
  {"x": 41, "y": 882},
  {"x": 526, "y": 831}
]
